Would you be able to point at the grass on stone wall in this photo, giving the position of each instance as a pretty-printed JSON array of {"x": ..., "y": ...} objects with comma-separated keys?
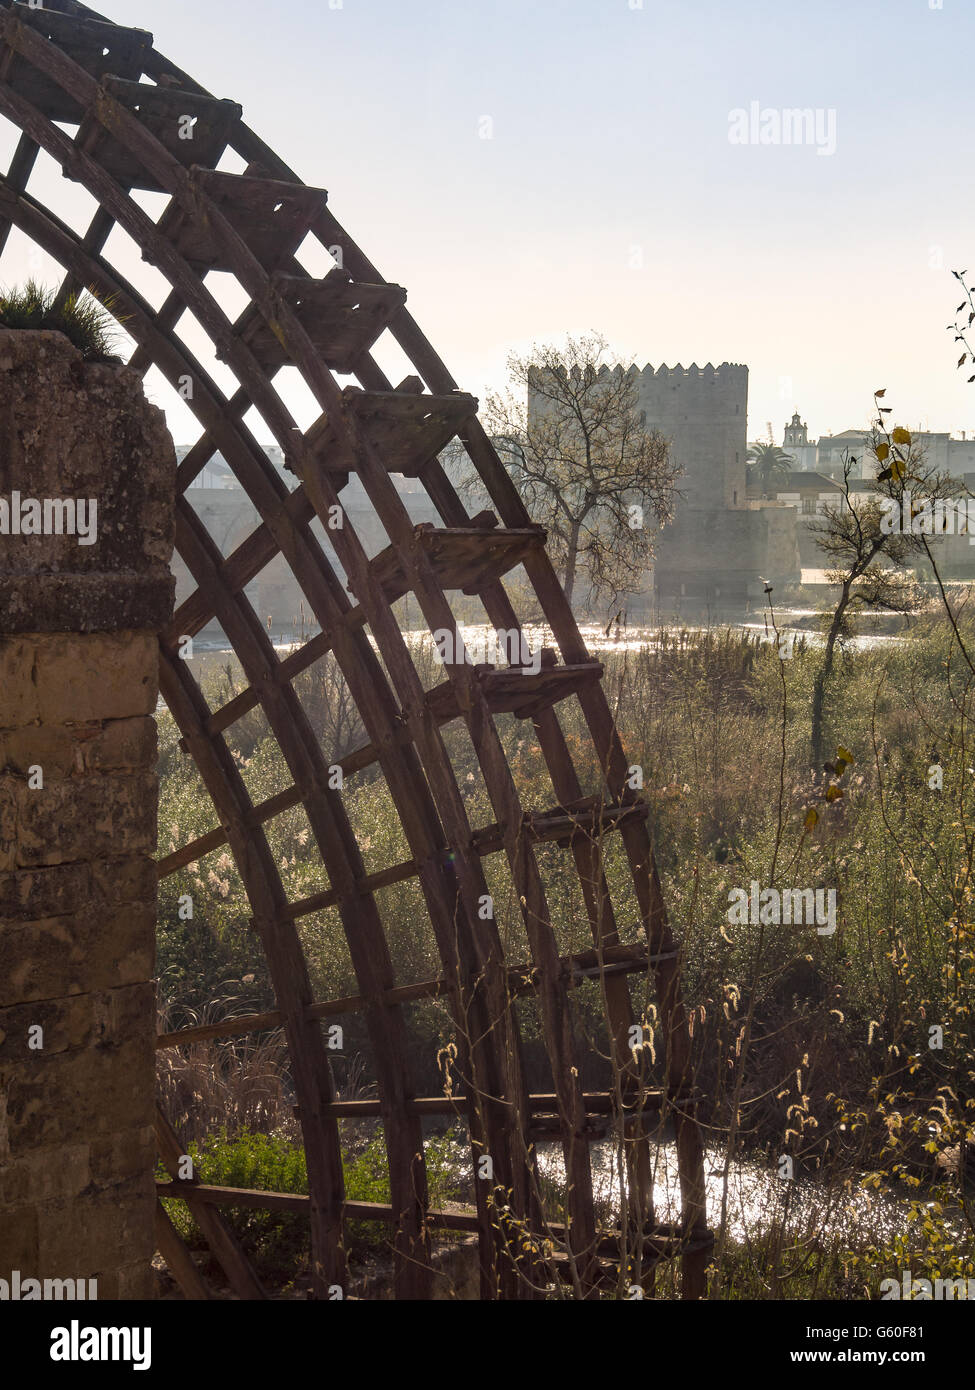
[{"x": 84, "y": 321}]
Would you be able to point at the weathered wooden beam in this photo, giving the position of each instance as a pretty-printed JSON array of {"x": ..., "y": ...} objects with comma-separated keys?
[
  {"x": 173, "y": 1249},
  {"x": 584, "y": 965},
  {"x": 224, "y": 1245},
  {"x": 665, "y": 1238},
  {"x": 360, "y": 917}
]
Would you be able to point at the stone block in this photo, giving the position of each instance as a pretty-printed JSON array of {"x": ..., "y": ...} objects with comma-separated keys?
[
  {"x": 58, "y": 890},
  {"x": 14, "y": 1187},
  {"x": 123, "y": 1155},
  {"x": 19, "y": 1242},
  {"x": 19, "y": 700},
  {"x": 97, "y": 1230},
  {"x": 53, "y": 748},
  {"x": 57, "y": 1173},
  {"x": 136, "y": 1281},
  {"x": 36, "y": 893},
  {"x": 83, "y": 817},
  {"x": 67, "y": 1024},
  {"x": 92, "y": 949},
  {"x": 125, "y": 880},
  {"x": 105, "y": 675},
  {"x": 86, "y": 602},
  {"x": 123, "y": 744},
  {"x": 84, "y": 1093},
  {"x": 66, "y": 750}
]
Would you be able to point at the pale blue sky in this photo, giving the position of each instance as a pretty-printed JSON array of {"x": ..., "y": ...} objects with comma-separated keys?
[{"x": 609, "y": 196}]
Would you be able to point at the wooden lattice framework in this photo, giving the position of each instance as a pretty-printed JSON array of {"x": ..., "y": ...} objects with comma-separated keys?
[{"x": 65, "y": 65}]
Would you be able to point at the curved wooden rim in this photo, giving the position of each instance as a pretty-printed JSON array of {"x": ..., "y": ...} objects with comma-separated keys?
[{"x": 405, "y": 738}]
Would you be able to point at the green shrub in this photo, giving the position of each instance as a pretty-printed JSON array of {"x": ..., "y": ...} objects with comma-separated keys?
[{"x": 277, "y": 1241}]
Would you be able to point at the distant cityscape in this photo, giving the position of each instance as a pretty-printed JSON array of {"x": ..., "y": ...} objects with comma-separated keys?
[
  {"x": 943, "y": 452},
  {"x": 730, "y": 535}
]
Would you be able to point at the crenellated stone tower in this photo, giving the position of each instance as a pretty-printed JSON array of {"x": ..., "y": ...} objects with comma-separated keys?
[
  {"x": 719, "y": 549},
  {"x": 703, "y": 411}
]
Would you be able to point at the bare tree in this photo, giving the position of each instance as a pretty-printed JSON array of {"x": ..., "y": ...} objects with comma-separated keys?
[
  {"x": 570, "y": 433},
  {"x": 869, "y": 548}
]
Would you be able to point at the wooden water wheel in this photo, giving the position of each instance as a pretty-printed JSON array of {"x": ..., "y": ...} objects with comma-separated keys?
[{"x": 112, "y": 112}]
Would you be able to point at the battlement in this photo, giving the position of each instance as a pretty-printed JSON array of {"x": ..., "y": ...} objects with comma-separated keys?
[
  {"x": 725, "y": 371},
  {"x": 702, "y": 412}
]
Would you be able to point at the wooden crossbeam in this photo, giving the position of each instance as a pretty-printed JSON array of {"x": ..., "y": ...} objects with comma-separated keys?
[
  {"x": 565, "y": 825},
  {"x": 664, "y": 1238},
  {"x": 96, "y": 46},
  {"x": 464, "y": 557},
  {"x": 601, "y": 1103},
  {"x": 577, "y": 968},
  {"x": 343, "y": 318},
  {"x": 164, "y": 112},
  {"x": 270, "y": 216}
]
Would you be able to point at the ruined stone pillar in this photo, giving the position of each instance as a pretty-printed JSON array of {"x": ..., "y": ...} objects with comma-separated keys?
[{"x": 87, "y": 478}]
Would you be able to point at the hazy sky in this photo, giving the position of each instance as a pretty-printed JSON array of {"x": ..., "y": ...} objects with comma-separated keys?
[{"x": 609, "y": 195}]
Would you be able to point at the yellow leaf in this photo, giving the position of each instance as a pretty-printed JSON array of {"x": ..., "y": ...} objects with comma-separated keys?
[
  {"x": 812, "y": 817},
  {"x": 901, "y": 435},
  {"x": 845, "y": 754},
  {"x": 897, "y": 469},
  {"x": 882, "y": 451},
  {"x": 833, "y": 793}
]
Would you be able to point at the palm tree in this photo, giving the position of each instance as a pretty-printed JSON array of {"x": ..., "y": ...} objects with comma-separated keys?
[{"x": 767, "y": 462}]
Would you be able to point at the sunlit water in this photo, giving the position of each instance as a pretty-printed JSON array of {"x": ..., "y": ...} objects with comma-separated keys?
[
  {"x": 758, "y": 1200},
  {"x": 757, "y": 1197},
  {"x": 481, "y": 641}
]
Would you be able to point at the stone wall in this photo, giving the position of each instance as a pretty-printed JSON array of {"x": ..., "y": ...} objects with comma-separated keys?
[
  {"x": 721, "y": 558},
  {"x": 703, "y": 412},
  {"x": 78, "y": 796}
]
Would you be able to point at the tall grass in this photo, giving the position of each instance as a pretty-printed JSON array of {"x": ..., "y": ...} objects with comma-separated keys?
[
  {"x": 85, "y": 321},
  {"x": 811, "y": 1048}
]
